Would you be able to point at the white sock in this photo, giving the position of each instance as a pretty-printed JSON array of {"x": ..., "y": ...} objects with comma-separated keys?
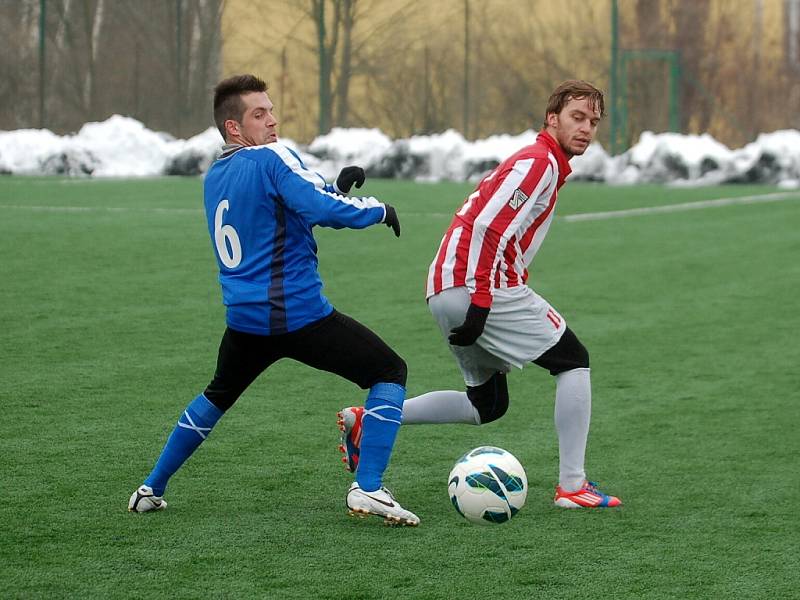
[
  {"x": 572, "y": 415},
  {"x": 444, "y": 406}
]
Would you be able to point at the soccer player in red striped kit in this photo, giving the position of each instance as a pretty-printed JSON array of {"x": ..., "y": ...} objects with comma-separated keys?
[{"x": 492, "y": 320}]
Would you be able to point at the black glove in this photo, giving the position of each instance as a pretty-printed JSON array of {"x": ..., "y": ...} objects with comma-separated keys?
[
  {"x": 391, "y": 219},
  {"x": 472, "y": 328},
  {"x": 347, "y": 177}
]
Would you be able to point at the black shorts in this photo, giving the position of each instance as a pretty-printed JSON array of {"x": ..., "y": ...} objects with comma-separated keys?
[{"x": 337, "y": 344}]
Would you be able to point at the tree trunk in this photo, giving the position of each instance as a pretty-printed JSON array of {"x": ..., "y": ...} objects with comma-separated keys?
[
  {"x": 345, "y": 65},
  {"x": 325, "y": 63}
]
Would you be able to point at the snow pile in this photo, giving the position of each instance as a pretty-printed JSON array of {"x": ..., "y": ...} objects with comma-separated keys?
[{"x": 124, "y": 147}]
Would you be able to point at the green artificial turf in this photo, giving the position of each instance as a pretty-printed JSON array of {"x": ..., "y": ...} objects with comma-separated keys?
[{"x": 110, "y": 321}]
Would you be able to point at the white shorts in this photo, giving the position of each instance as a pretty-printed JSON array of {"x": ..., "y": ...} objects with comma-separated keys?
[{"x": 521, "y": 327}]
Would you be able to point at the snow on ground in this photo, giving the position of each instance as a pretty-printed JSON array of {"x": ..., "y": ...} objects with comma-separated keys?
[{"x": 124, "y": 147}]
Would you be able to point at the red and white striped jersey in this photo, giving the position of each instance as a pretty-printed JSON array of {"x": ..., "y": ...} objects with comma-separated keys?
[{"x": 496, "y": 233}]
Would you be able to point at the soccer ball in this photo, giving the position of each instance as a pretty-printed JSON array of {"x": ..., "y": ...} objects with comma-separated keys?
[{"x": 487, "y": 485}]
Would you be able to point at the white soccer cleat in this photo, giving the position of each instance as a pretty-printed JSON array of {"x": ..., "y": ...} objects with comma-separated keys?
[
  {"x": 380, "y": 503},
  {"x": 143, "y": 500}
]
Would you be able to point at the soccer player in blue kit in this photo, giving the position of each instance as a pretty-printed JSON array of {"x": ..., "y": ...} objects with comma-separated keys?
[{"x": 261, "y": 205}]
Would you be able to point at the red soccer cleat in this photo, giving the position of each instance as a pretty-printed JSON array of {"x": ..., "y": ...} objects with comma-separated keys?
[
  {"x": 349, "y": 421},
  {"x": 586, "y": 497}
]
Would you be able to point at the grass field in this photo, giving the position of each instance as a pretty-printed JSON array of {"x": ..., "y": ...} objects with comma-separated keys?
[{"x": 111, "y": 317}]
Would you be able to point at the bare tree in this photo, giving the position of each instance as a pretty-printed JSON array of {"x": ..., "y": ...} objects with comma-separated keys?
[
  {"x": 202, "y": 60},
  {"x": 525, "y": 62},
  {"x": 347, "y": 15},
  {"x": 19, "y": 60},
  {"x": 396, "y": 65},
  {"x": 327, "y": 40},
  {"x": 340, "y": 50},
  {"x": 105, "y": 57},
  {"x": 691, "y": 24}
]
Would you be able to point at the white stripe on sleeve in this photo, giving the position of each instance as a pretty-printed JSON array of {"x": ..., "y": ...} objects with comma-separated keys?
[{"x": 291, "y": 161}]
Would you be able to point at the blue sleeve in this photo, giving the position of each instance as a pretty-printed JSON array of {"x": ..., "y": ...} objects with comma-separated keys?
[{"x": 306, "y": 193}]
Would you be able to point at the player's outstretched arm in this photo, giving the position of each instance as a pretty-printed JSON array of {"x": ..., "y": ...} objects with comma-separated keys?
[{"x": 305, "y": 193}]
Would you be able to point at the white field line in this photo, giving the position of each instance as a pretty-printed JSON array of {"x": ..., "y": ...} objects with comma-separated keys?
[
  {"x": 101, "y": 209},
  {"x": 667, "y": 208},
  {"x": 592, "y": 216}
]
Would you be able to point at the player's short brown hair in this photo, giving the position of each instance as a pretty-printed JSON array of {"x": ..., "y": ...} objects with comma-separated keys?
[
  {"x": 228, "y": 98},
  {"x": 574, "y": 89}
]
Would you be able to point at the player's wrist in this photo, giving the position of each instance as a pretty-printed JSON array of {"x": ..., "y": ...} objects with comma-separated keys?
[
  {"x": 481, "y": 299},
  {"x": 390, "y": 219},
  {"x": 478, "y": 313},
  {"x": 476, "y": 318}
]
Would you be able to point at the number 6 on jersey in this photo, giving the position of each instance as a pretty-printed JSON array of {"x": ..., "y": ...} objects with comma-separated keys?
[{"x": 229, "y": 253}]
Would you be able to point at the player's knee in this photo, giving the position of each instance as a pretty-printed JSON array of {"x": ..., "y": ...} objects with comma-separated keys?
[
  {"x": 222, "y": 398},
  {"x": 490, "y": 399},
  {"x": 396, "y": 371},
  {"x": 569, "y": 353},
  {"x": 581, "y": 356},
  {"x": 399, "y": 372}
]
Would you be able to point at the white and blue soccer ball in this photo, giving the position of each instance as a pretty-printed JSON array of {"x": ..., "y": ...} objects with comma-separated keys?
[{"x": 487, "y": 485}]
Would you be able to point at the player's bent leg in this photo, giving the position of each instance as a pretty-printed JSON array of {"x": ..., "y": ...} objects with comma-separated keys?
[
  {"x": 383, "y": 413},
  {"x": 377, "y": 424},
  {"x": 192, "y": 429},
  {"x": 242, "y": 357},
  {"x": 490, "y": 399},
  {"x": 480, "y": 404},
  {"x": 341, "y": 345},
  {"x": 439, "y": 407}
]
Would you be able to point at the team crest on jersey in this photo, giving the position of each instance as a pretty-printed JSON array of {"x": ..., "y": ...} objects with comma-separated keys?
[{"x": 518, "y": 199}]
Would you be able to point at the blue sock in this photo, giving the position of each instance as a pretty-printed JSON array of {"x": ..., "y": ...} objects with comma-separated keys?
[
  {"x": 383, "y": 413},
  {"x": 193, "y": 427}
]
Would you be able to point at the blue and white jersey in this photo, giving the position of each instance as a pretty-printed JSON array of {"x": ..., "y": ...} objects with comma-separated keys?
[{"x": 261, "y": 203}]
